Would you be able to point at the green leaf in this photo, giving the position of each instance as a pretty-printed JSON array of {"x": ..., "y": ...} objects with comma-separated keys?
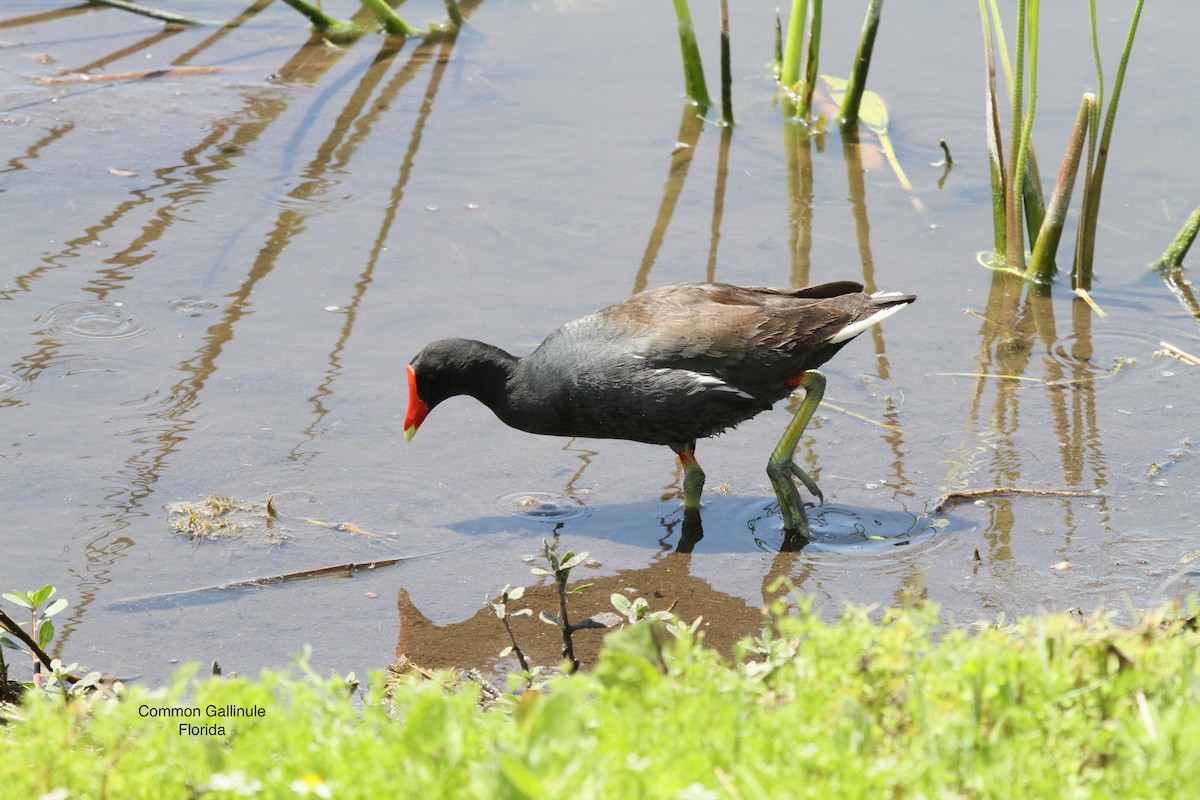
[
  {"x": 20, "y": 598},
  {"x": 550, "y": 619},
  {"x": 522, "y": 778},
  {"x": 45, "y": 633},
  {"x": 514, "y": 594},
  {"x": 55, "y": 607},
  {"x": 573, "y": 561},
  {"x": 42, "y": 595}
]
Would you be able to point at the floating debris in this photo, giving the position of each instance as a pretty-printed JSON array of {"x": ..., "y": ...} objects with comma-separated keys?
[{"x": 221, "y": 517}]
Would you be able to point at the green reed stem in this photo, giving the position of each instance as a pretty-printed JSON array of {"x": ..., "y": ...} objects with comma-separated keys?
[
  {"x": 693, "y": 68},
  {"x": 1172, "y": 258},
  {"x": 1086, "y": 246},
  {"x": 789, "y": 75},
  {"x": 154, "y": 13},
  {"x": 777, "y": 63},
  {"x": 1014, "y": 255},
  {"x": 995, "y": 140},
  {"x": 319, "y": 19},
  {"x": 1041, "y": 263},
  {"x": 391, "y": 21},
  {"x": 726, "y": 68},
  {"x": 862, "y": 63},
  {"x": 454, "y": 12},
  {"x": 811, "y": 61},
  {"x": 1031, "y": 24}
]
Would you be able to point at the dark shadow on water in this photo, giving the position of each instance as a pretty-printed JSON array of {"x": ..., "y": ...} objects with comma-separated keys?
[{"x": 741, "y": 525}]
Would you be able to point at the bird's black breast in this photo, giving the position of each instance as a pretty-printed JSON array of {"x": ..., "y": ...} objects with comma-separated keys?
[{"x": 600, "y": 389}]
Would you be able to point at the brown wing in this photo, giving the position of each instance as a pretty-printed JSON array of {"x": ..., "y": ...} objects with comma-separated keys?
[{"x": 748, "y": 336}]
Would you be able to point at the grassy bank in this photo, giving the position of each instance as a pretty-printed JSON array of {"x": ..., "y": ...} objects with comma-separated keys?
[{"x": 889, "y": 704}]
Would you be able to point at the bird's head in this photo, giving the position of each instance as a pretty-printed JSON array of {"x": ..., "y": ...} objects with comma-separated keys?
[{"x": 446, "y": 368}]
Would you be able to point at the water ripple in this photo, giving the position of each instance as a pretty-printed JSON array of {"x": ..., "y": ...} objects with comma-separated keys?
[
  {"x": 11, "y": 383},
  {"x": 92, "y": 320},
  {"x": 544, "y": 506}
]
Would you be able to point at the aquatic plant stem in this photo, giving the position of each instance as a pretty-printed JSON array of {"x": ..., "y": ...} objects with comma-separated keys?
[
  {"x": 153, "y": 13},
  {"x": 726, "y": 68},
  {"x": 391, "y": 21},
  {"x": 454, "y": 12},
  {"x": 1041, "y": 263},
  {"x": 1088, "y": 219},
  {"x": 1014, "y": 255},
  {"x": 319, "y": 19},
  {"x": 789, "y": 74},
  {"x": 1172, "y": 258},
  {"x": 995, "y": 140},
  {"x": 693, "y": 68},
  {"x": 777, "y": 63},
  {"x": 862, "y": 63},
  {"x": 1032, "y": 14},
  {"x": 811, "y": 61}
]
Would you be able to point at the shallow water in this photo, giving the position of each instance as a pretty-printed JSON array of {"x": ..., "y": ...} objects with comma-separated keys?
[{"x": 212, "y": 283}]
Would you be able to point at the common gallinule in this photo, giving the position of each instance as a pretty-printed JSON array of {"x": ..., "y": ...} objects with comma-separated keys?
[{"x": 666, "y": 366}]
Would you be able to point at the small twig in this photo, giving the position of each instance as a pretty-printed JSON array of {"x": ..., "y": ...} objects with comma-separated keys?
[
  {"x": 948, "y": 162},
  {"x": 336, "y": 571},
  {"x": 954, "y": 498},
  {"x": 170, "y": 72},
  {"x": 1175, "y": 352}
]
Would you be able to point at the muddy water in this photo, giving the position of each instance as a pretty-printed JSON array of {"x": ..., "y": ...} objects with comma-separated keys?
[{"x": 213, "y": 278}]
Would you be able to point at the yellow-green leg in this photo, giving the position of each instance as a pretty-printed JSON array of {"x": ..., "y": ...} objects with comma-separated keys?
[
  {"x": 781, "y": 468},
  {"x": 693, "y": 476}
]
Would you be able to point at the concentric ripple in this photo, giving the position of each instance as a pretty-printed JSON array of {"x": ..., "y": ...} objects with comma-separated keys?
[
  {"x": 12, "y": 383},
  {"x": 92, "y": 320},
  {"x": 542, "y": 506}
]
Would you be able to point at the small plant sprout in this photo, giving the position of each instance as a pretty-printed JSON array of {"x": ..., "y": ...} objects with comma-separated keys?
[
  {"x": 500, "y": 609},
  {"x": 40, "y": 626},
  {"x": 637, "y": 610},
  {"x": 40, "y": 633},
  {"x": 560, "y": 570}
]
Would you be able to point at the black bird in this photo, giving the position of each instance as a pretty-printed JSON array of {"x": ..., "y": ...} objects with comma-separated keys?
[{"x": 666, "y": 366}]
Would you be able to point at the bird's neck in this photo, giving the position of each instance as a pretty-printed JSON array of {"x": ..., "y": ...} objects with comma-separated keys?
[{"x": 485, "y": 372}]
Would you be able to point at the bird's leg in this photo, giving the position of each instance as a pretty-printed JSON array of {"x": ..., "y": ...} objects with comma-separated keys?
[
  {"x": 781, "y": 468},
  {"x": 693, "y": 476}
]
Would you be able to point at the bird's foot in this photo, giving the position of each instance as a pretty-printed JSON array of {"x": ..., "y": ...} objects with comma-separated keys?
[
  {"x": 693, "y": 477},
  {"x": 790, "y": 504},
  {"x": 808, "y": 482}
]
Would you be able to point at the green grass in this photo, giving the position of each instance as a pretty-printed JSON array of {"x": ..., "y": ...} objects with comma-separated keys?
[{"x": 890, "y": 704}]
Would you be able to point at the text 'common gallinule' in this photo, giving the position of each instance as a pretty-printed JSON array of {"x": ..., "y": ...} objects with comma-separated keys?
[{"x": 666, "y": 366}]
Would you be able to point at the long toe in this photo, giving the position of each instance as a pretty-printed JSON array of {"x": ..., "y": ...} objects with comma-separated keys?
[
  {"x": 791, "y": 507},
  {"x": 808, "y": 482}
]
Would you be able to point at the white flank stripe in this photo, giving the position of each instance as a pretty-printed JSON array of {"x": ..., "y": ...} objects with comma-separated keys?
[
  {"x": 702, "y": 381},
  {"x": 854, "y": 329}
]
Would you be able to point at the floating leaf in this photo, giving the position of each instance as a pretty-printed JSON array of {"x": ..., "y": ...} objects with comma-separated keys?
[{"x": 873, "y": 114}]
